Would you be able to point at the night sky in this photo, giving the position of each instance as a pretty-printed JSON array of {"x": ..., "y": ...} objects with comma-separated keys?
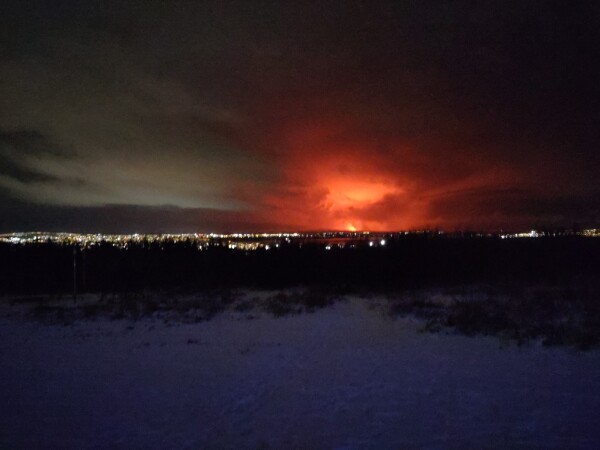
[{"x": 266, "y": 116}]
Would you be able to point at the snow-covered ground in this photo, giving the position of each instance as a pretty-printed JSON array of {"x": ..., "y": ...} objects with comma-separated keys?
[{"x": 344, "y": 377}]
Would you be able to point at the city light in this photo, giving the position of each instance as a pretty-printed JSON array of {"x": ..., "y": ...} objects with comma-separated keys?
[{"x": 256, "y": 241}]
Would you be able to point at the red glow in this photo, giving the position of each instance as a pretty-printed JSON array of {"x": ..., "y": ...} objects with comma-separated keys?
[
  {"x": 334, "y": 184},
  {"x": 334, "y": 175},
  {"x": 346, "y": 193}
]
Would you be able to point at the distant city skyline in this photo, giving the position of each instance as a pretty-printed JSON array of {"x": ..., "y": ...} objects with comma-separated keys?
[{"x": 266, "y": 241}]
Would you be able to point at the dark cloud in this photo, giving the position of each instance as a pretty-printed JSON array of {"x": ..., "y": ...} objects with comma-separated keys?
[
  {"x": 29, "y": 142},
  {"x": 24, "y": 216},
  {"x": 22, "y": 153},
  {"x": 11, "y": 169},
  {"x": 513, "y": 209}
]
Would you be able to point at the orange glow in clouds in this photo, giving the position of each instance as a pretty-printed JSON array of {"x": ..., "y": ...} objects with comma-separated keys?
[
  {"x": 348, "y": 193},
  {"x": 344, "y": 200},
  {"x": 337, "y": 184}
]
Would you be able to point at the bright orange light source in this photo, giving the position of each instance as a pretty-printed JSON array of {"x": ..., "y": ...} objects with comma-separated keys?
[
  {"x": 346, "y": 193},
  {"x": 351, "y": 227}
]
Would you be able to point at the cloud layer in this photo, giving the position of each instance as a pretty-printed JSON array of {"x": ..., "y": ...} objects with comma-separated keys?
[{"x": 304, "y": 115}]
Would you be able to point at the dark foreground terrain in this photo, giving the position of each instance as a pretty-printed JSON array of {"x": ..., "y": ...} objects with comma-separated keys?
[
  {"x": 406, "y": 262},
  {"x": 518, "y": 289},
  {"x": 427, "y": 342},
  {"x": 345, "y": 376}
]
